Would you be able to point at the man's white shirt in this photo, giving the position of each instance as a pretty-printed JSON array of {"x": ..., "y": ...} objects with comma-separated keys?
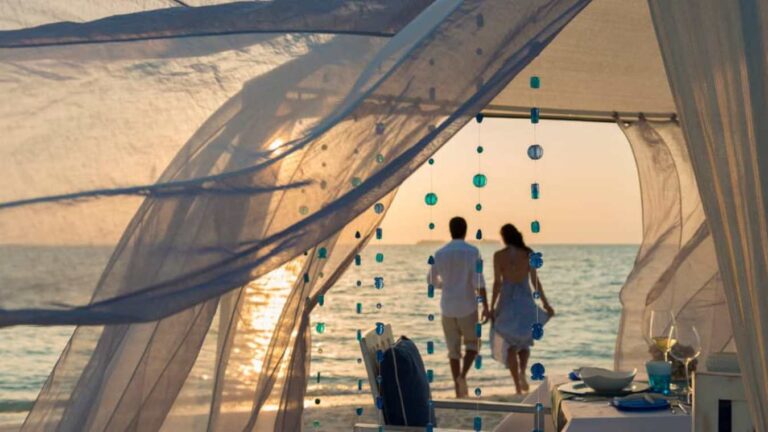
[{"x": 455, "y": 273}]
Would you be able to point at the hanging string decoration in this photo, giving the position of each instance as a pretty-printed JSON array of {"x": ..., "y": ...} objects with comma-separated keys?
[{"x": 479, "y": 180}]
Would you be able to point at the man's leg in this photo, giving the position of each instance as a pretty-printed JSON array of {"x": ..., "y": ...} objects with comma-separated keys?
[
  {"x": 471, "y": 341},
  {"x": 453, "y": 343}
]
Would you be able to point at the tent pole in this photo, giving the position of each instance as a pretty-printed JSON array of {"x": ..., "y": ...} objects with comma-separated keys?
[{"x": 500, "y": 111}]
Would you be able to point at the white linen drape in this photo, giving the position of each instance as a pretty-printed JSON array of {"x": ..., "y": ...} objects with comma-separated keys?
[{"x": 715, "y": 54}]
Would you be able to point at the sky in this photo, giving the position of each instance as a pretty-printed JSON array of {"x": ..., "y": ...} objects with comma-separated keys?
[{"x": 588, "y": 179}]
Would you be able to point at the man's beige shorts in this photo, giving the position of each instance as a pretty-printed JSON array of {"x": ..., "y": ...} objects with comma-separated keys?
[{"x": 457, "y": 328}]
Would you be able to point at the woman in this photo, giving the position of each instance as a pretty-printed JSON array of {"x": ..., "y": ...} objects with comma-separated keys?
[{"x": 516, "y": 311}]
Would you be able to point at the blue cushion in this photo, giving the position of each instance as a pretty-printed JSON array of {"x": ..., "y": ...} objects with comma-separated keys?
[{"x": 403, "y": 365}]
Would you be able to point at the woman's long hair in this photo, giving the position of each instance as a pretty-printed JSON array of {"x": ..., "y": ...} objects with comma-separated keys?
[{"x": 513, "y": 237}]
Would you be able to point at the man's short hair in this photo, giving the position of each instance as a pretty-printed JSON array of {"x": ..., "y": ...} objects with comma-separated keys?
[{"x": 458, "y": 227}]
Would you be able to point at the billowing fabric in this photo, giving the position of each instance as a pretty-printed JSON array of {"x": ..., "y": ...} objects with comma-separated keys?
[
  {"x": 715, "y": 56},
  {"x": 270, "y": 144},
  {"x": 676, "y": 266}
]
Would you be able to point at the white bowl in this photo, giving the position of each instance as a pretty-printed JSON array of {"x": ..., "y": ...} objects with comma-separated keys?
[{"x": 606, "y": 381}]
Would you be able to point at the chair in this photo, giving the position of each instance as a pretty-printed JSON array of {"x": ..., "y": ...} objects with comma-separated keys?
[
  {"x": 373, "y": 342},
  {"x": 719, "y": 401}
]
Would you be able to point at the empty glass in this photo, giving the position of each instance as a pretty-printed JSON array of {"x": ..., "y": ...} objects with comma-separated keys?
[{"x": 686, "y": 347}]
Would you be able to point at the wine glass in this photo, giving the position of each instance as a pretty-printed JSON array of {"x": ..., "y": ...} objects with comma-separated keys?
[
  {"x": 686, "y": 347},
  {"x": 659, "y": 327}
]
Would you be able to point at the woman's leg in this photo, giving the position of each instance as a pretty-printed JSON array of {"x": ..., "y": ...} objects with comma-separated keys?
[
  {"x": 524, "y": 355},
  {"x": 514, "y": 368}
]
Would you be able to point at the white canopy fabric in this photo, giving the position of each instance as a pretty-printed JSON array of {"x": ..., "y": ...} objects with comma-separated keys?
[{"x": 606, "y": 60}]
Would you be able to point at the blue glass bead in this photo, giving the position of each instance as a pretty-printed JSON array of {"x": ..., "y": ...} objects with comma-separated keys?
[
  {"x": 320, "y": 327},
  {"x": 539, "y": 407},
  {"x": 378, "y": 208},
  {"x": 379, "y": 128},
  {"x": 478, "y": 330},
  {"x": 478, "y": 391},
  {"x": 480, "y": 149},
  {"x": 479, "y": 362},
  {"x": 430, "y": 375},
  {"x": 359, "y": 283},
  {"x": 359, "y": 335},
  {"x": 535, "y": 113},
  {"x": 431, "y": 317},
  {"x": 379, "y": 257},
  {"x": 479, "y": 180},
  {"x": 306, "y": 277},
  {"x": 379, "y": 356},
  {"x": 535, "y": 227},
  {"x": 378, "y": 282},
  {"x": 479, "y": 234},
  {"x": 357, "y": 234},
  {"x": 536, "y": 260},
  {"x": 379, "y": 233},
  {"x": 478, "y": 299},
  {"x": 535, "y": 82},
  {"x": 430, "y": 428},
  {"x": 478, "y": 206},
  {"x": 379, "y": 328},
  {"x": 431, "y": 225},
  {"x": 537, "y": 331},
  {"x": 359, "y": 411},
  {"x": 359, "y": 385},
  {"x": 358, "y": 260},
  {"x": 537, "y": 294},
  {"x": 318, "y": 377},
  {"x": 378, "y": 306},
  {"x": 432, "y": 93},
  {"x": 479, "y": 117},
  {"x": 480, "y": 21},
  {"x": 359, "y": 308},
  {"x": 431, "y": 161},
  {"x": 430, "y": 199},
  {"x": 537, "y": 372},
  {"x": 479, "y": 266},
  {"x": 535, "y": 191},
  {"x": 430, "y": 291},
  {"x": 322, "y": 253},
  {"x": 478, "y": 423},
  {"x": 379, "y": 402},
  {"x": 321, "y": 299},
  {"x": 535, "y": 152},
  {"x": 431, "y": 260},
  {"x": 379, "y": 379},
  {"x": 430, "y": 347}
]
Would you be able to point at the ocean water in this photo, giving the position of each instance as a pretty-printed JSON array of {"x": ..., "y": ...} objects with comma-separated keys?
[{"x": 581, "y": 282}]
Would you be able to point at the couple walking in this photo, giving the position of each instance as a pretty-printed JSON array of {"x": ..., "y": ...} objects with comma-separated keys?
[{"x": 457, "y": 272}]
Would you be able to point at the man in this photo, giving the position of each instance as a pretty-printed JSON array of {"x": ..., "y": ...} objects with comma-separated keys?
[{"x": 458, "y": 275}]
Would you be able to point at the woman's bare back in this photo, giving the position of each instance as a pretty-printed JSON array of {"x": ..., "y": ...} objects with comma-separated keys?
[{"x": 512, "y": 264}]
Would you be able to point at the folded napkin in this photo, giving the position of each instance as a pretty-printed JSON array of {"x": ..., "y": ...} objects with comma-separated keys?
[{"x": 640, "y": 402}]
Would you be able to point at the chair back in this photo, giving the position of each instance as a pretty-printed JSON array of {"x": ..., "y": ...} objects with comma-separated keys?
[{"x": 369, "y": 345}]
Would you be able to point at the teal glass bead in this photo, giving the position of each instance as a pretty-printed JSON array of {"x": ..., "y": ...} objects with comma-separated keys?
[
  {"x": 480, "y": 22},
  {"x": 430, "y": 199},
  {"x": 379, "y": 233},
  {"x": 359, "y": 385},
  {"x": 379, "y": 257},
  {"x": 379, "y": 328},
  {"x": 478, "y": 423},
  {"x": 359, "y": 308},
  {"x": 478, "y": 206},
  {"x": 478, "y": 330},
  {"x": 315, "y": 424},
  {"x": 322, "y": 253},
  {"x": 479, "y": 362},
  {"x": 430, "y": 291},
  {"x": 535, "y": 113},
  {"x": 535, "y": 82},
  {"x": 431, "y": 161},
  {"x": 359, "y": 411},
  {"x": 535, "y": 191},
  {"x": 535, "y": 227},
  {"x": 479, "y": 118},
  {"x": 303, "y": 210},
  {"x": 356, "y": 181},
  {"x": 479, "y": 266},
  {"x": 535, "y": 152},
  {"x": 306, "y": 277},
  {"x": 430, "y": 375},
  {"x": 358, "y": 260},
  {"x": 479, "y": 234},
  {"x": 539, "y": 407},
  {"x": 318, "y": 377},
  {"x": 378, "y": 282},
  {"x": 359, "y": 335},
  {"x": 431, "y": 260},
  {"x": 430, "y": 347},
  {"x": 480, "y": 149},
  {"x": 321, "y": 299},
  {"x": 431, "y": 317},
  {"x": 537, "y": 294},
  {"x": 478, "y": 391},
  {"x": 320, "y": 327},
  {"x": 479, "y": 180},
  {"x": 431, "y": 225},
  {"x": 379, "y": 158},
  {"x": 378, "y": 208}
]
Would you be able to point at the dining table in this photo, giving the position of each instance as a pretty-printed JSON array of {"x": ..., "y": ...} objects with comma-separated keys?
[{"x": 594, "y": 413}]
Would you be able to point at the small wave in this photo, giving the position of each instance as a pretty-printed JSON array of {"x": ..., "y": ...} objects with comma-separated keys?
[{"x": 8, "y": 406}]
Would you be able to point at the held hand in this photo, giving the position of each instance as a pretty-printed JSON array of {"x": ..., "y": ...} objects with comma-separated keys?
[
  {"x": 486, "y": 316},
  {"x": 550, "y": 311}
]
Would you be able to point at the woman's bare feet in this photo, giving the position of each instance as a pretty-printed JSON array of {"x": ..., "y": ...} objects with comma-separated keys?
[{"x": 524, "y": 384}]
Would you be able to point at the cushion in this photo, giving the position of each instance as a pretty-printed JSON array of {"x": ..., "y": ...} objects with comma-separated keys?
[{"x": 404, "y": 387}]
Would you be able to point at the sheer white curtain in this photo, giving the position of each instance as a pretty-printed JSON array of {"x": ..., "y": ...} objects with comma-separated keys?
[
  {"x": 275, "y": 127},
  {"x": 676, "y": 267},
  {"x": 715, "y": 53}
]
